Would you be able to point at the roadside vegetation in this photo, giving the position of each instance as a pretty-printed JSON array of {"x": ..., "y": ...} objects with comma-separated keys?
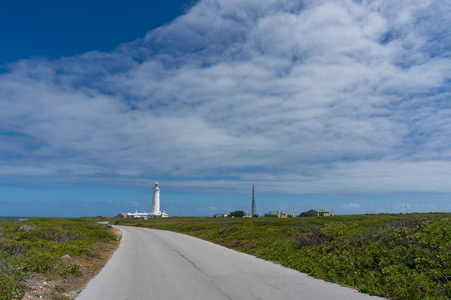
[
  {"x": 49, "y": 258},
  {"x": 406, "y": 256}
]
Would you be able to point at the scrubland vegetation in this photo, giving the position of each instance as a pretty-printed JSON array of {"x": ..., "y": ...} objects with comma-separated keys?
[
  {"x": 48, "y": 257},
  {"x": 394, "y": 256}
]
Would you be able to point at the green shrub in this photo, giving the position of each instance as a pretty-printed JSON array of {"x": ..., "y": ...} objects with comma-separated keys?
[
  {"x": 237, "y": 214},
  {"x": 72, "y": 269},
  {"x": 8, "y": 288},
  {"x": 39, "y": 261}
]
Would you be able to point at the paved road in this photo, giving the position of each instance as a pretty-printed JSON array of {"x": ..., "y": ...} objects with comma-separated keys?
[{"x": 163, "y": 265}]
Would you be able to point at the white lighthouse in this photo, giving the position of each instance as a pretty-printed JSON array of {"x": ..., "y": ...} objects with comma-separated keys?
[
  {"x": 156, "y": 200},
  {"x": 155, "y": 213}
]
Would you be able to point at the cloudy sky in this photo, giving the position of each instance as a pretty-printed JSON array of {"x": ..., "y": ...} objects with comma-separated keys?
[{"x": 342, "y": 105}]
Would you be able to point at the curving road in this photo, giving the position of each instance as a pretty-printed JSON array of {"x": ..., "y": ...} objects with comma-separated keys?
[{"x": 155, "y": 264}]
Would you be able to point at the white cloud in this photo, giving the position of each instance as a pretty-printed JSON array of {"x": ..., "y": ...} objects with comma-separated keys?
[
  {"x": 328, "y": 96},
  {"x": 351, "y": 206}
]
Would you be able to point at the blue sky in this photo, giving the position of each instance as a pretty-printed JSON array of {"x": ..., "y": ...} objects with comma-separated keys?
[
  {"x": 52, "y": 28},
  {"x": 341, "y": 105}
]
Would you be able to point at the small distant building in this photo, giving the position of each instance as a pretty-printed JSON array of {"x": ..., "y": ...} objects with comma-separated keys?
[
  {"x": 221, "y": 215},
  {"x": 272, "y": 214},
  {"x": 318, "y": 213},
  {"x": 278, "y": 214}
]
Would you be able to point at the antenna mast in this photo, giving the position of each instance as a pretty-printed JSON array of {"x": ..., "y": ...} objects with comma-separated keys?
[{"x": 254, "y": 209}]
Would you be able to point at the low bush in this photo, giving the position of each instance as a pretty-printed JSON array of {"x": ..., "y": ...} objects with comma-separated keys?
[
  {"x": 8, "y": 287},
  {"x": 71, "y": 269}
]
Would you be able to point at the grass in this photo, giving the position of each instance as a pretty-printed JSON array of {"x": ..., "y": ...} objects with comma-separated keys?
[
  {"x": 51, "y": 257},
  {"x": 394, "y": 256}
]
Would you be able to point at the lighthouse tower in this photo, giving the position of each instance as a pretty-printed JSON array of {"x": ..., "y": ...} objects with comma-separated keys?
[{"x": 156, "y": 200}]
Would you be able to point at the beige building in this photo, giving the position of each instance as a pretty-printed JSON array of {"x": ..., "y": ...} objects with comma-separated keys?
[
  {"x": 278, "y": 214},
  {"x": 318, "y": 213}
]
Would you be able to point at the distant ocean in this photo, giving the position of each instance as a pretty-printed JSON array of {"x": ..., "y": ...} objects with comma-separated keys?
[{"x": 14, "y": 218}]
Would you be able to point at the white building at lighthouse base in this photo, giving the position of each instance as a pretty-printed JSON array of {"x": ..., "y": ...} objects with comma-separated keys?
[{"x": 143, "y": 215}]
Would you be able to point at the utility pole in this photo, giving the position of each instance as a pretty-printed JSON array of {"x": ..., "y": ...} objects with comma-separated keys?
[{"x": 254, "y": 209}]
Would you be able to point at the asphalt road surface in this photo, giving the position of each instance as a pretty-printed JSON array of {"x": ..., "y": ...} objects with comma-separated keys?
[{"x": 163, "y": 265}]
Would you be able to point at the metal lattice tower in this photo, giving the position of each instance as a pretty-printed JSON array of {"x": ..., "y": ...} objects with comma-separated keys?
[{"x": 254, "y": 209}]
